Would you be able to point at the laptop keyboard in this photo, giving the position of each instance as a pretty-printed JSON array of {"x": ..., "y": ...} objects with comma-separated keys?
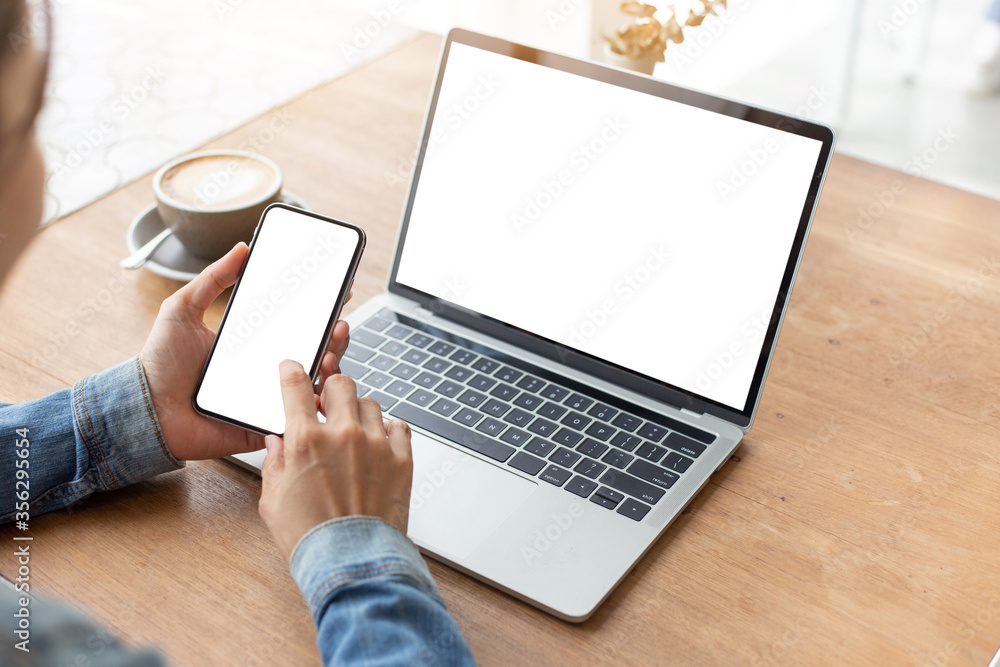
[{"x": 521, "y": 416}]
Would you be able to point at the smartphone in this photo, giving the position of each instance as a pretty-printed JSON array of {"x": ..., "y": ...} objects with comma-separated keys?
[{"x": 294, "y": 282}]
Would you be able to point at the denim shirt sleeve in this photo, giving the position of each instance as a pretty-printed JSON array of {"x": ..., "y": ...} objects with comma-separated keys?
[
  {"x": 101, "y": 434},
  {"x": 372, "y": 597}
]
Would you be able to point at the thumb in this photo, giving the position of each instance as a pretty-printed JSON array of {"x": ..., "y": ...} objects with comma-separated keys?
[
  {"x": 214, "y": 280},
  {"x": 274, "y": 464}
]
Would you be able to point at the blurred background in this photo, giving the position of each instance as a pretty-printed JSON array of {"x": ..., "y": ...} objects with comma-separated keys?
[{"x": 137, "y": 82}]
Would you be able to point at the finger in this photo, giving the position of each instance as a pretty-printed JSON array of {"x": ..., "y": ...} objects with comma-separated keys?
[
  {"x": 296, "y": 394},
  {"x": 340, "y": 399},
  {"x": 340, "y": 338},
  {"x": 214, "y": 280},
  {"x": 400, "y": 436},
  {"x": 274, "y": 462},
  {"x": 371, "y": 418}
]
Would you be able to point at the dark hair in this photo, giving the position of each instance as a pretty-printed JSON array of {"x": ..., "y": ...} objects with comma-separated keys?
[{"x": 17, "y": 30}]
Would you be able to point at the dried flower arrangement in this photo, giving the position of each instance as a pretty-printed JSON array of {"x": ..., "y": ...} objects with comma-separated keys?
[{"x": 646, "y": 37}]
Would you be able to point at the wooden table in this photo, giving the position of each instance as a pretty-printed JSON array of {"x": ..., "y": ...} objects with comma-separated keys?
[{"x": 857, "y": 524}]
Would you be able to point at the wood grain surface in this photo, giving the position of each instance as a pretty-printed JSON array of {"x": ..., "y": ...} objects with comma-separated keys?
[{"x": 856, "y": 525}]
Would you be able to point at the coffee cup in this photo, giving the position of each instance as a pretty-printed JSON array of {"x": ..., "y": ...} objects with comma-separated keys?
[{"x": 213, "y": 199}]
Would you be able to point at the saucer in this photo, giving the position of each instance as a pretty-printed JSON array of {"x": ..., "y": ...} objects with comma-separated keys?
[{"x": 172, "y": 260}]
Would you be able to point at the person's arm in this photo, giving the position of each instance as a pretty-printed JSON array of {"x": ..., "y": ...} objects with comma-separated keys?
[
  {"x": 336, "y": 498},
  {"x": 372, "y": 597},
  {"x": 101, "y": 434}
]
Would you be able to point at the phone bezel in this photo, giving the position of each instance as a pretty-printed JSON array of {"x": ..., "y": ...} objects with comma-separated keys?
[{"x": 345, "y": 289}]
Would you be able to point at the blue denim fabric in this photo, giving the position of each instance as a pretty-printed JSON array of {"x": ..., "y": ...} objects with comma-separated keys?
[
  {"x": 373, "y": 598},
  {"x": 371, "y": 595},
  {"x": 101, "y": 434}
]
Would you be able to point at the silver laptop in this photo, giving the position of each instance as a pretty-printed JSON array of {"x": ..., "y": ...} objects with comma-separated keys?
[{"x": 588, "y": 284}]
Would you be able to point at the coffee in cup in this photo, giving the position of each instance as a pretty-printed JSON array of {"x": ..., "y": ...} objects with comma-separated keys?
[{"x": 214, "y": 199}]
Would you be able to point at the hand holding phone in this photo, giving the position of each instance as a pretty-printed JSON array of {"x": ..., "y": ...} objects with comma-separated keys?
[{"x": 294, "y": 282}]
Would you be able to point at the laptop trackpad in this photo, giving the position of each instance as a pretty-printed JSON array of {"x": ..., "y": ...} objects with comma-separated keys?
[{"x": 457, "y": 501}]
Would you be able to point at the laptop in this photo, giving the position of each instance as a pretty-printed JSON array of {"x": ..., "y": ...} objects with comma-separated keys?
[{"x": 588, "y": 284}]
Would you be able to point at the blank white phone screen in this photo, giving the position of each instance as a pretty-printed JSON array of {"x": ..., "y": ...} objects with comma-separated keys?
[{"x": 280, "y": 310}]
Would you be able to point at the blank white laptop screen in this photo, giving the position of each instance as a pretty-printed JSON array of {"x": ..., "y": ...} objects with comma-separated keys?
[{"x": 642, "y": 231}]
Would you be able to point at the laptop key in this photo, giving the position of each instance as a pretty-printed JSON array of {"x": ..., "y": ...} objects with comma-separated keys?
[
  {"x": 359, "y": 353},
  {"x": 459, "y": 373},
  {"x": 617, "y": 459},
  {"x": 626, "y": 441},
  {"x": 481, "y": 382},
  {"x": 611, "y": 494},
  {"x": 404, "y": 371},
  {"x": 462, "y": 356},
  {"x": 419, "y": 340},
  {"x": 602, "y": 412},
  {"x": 484, "y": 365},
  {"x": 382, "y": 362},
  {"x": 415, "y": 357},
  {"x": 504, "y": 392},
  {"x": 527, "y": 401},
  {"x": 581, "y": 486},
  {"x": 508, "y": 374},
  {"x": 384, "y": 400},
  {"x": 398, "y": 331},
  {"x": 650, "y": 451},
  {"x": 652, "y": 432},
  {"x": 654, "y": 474},
  {"x": 578, "y": 402},
  {"x": 552, "y": 411},
  {"x": 543, "y": 427},
  {"x": 554, "y": 392},
  {"x": 491, "y": 426},
  {"x": 441, "y": 348},
  {"x": 632, "y": 486},
  {"x": 348, "y": 367},
  {"x": 633, "y": 509},
  {"x": 599, "y": 431},
  {"x": 453, "y": 431},
  {"x": 568, "y": 437},
  {"x": 449, "y": 389},
  {"x": 472, "y": 398},
  {"x": 575, "y": 420},
  {"x": 377, "y": 324},
  {"x": 422, "y": 397},
  {"x": 676, "y": 462},
  {"x": 592, "y": 448},
  {"x": 367, "y": 338},
  {"x": 445, "y": 407},
  {"x": 626, "y": 422},
  {"x": 515, "y": 436},
  {"x": 377, "y": 380},
  {"x": 526, "y": 463},
  {"x": 684, "y": 445},
  {"x": 495, "y": 408},
  {"x": 426, "y": 380},
  {"x": 468, "y": 417},
  {"x": 589, "y": 468},
  {"x": 362, "y": 390},
  {"x": 399, "y": 389},
  {"x": 518, "y": 417},
  {"x": 564, "y": 457},
  {"x": 539, "y": 447},
  {"x": 530, "y": 383},
  {"x": 393, "y": 347},
  {"x": 555, "y": 475},
  {"x": 437, "y": 365},
  {"x": 606, "y": 503}
]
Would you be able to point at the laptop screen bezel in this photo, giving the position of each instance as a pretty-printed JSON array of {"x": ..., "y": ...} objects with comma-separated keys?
[{"x": 618, "y": 375}]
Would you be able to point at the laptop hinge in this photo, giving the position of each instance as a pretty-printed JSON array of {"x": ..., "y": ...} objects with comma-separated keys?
[
  {"x": 423, "y": 313},
  {"x": 692, "y": 412}
]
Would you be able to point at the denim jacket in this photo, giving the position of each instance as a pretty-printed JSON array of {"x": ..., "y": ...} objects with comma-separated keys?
[{"x": 369, "y": 591}]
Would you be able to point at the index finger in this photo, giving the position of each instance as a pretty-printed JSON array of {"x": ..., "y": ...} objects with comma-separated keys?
[
  {"x": 340, "y": 399},
  {"x": 296, "y": 393}
]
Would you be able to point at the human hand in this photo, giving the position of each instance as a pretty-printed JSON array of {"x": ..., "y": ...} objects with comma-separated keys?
[
  {"x": 354, "y": 464},
  {"x": 174, "y": 356}
]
